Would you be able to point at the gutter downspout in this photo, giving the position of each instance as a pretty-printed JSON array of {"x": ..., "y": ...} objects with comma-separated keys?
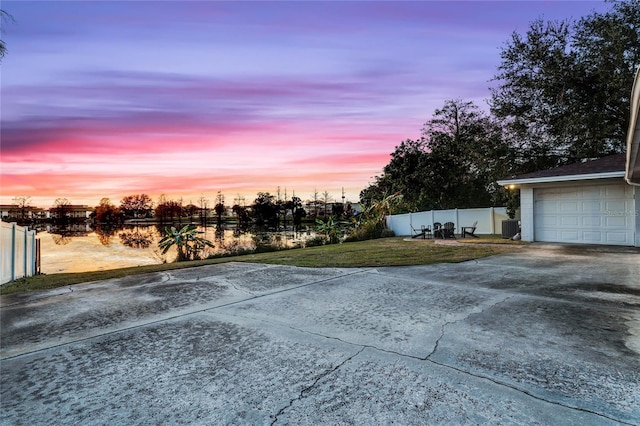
[{"x": 633, "y": 134}]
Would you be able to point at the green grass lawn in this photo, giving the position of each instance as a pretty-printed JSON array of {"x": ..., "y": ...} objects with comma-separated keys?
[{"x": 394, "y": 251}]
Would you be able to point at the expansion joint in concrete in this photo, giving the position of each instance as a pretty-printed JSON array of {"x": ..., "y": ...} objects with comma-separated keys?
[
  {"x": 528, "y": 393},
  {"x": 314, "y": 384}
]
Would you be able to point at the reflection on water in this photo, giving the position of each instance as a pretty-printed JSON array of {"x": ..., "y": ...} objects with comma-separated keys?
[
  {"x": 63, "y": 235},
  {"x": 136, "y": 238},
  {"x": 78, "y": 248}
]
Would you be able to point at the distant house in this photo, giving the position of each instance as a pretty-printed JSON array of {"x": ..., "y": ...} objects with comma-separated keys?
[
  {"x": 9, "y": 211},
  {"x": 13, "y": 212},
  {"x": 72, "y": 211},
  {"x": 595, "y": 202}
]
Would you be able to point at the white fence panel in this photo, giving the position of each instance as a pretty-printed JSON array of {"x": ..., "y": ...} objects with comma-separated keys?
[
  {"x": 400, "y": 224},
  {"x": 18, "y": 254},
  {"x": 489, "y": 220},
  {"x": 6, "y": 238}
]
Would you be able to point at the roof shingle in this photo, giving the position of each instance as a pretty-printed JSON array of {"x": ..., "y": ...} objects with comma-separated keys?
[{"x": 610, "y": 163}]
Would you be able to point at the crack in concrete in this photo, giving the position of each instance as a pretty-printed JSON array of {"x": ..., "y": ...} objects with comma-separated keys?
[
  {"x": 498, "y": 382},
  {"x": 240, "y": 290},
  {"x": 447, "y": 323},
  {"x": 315, "y": 382},
  {"x": 440, "y": 364}
]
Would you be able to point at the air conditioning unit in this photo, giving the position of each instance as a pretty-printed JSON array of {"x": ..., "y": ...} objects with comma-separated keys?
[{"x": 510, "y": 228}]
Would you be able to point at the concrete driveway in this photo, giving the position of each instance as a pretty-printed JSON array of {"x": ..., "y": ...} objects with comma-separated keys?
[{"x": 548, "y": 334}]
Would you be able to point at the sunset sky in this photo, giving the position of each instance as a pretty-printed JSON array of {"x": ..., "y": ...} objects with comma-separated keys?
[{"x": 108, "y": 99}]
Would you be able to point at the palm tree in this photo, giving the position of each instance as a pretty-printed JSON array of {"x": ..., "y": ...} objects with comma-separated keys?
[
  {"x": 371, "y": 223},
  {"x": 186, "y": 240}
]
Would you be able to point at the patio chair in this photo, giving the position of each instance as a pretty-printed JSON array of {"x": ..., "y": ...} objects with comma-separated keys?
[
  {"x": 469, "y": 230},
  {"x": 448, "y": 230},
  {"x": 424, "y": 232},
  {"x": 437, "y": 230}
]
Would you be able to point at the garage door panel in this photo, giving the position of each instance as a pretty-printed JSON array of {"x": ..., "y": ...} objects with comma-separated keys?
[
  {"x": 592, "y": 214},
  {"x": 615, "y": 221},
  {"x": 590, "y": 206},
  {"x": 546, "y": 221},
  {"x": 549, "y": 207},
  {"x": 569, "y": 221},
  {"x": 617, "y": 192},
  {"x": 566, "y": 207},
  {"x": 592, "y": 193},
  {"x": 592, "y": 237},
  {"x": 547, "y": 235},
  {"x": 616, "y": 206},
  {"x": 569, "y": 235},
  {"x": 617, "y": 238},
  {"x": 591, "y": 221}
]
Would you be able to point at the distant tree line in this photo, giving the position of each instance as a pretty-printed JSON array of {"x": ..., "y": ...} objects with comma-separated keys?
[
  {"x": 561, "y": 96},
  {"x": 267, "y": 210}
]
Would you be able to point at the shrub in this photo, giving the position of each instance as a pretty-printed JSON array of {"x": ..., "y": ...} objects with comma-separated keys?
[
  {"x": 386, "y": 233},
  {"x": 316, "y": 241}
]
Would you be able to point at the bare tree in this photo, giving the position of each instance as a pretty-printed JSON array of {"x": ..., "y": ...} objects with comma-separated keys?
[
  {"x": 204, "y": 205},
  {"x": 61, "y": 209},
  {"x": 314, "y": 202},
  {"x": 240, "y": 200},
  {"x": 136, "y": 206},
  {"x": 23, "y": 204},
  {"x": 326, "y": 199}
]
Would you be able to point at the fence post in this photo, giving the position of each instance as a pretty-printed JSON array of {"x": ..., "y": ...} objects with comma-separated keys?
[
  {"x": 33, "y": 253},
  {"x": 492, "y": 216},
  {"x": 13, "y": 251},
  {"x": 26, "y": 251},
  {"x": 37, "y": 261}
]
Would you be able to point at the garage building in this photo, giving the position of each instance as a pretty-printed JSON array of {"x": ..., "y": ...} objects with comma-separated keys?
[
  {"x": 594, "y": 202},
  {"x": 584, "y": 203}
]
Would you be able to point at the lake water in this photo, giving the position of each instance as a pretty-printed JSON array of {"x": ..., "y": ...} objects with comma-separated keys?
[{"x": 81, "y": 249}]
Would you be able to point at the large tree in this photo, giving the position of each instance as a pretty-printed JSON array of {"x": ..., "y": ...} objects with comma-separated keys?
[
  {"x": 406, "y": 174},
  {"x": 456, "y": 163},
  {"x": 220, "y": 208},
  {"x": 107, "y": 213},
  {"x": 169, "y": 210},
  {"x": 563, "y": 87},
  {"x": 264, "y": 210},
  {"x": 467, "y": 155},
  {"x": 137, "y": 206}
]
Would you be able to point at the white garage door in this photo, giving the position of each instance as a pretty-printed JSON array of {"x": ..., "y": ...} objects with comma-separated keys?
[{"x": 590, "y": 214}]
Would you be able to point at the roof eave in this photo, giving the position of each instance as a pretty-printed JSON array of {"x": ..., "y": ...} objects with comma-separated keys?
[{"x": 568, "y": 178}]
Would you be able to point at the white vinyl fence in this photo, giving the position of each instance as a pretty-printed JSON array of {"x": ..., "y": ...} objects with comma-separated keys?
[
  {"x": 489, "y": 220},
  {"x": 19, "y": 252}
]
